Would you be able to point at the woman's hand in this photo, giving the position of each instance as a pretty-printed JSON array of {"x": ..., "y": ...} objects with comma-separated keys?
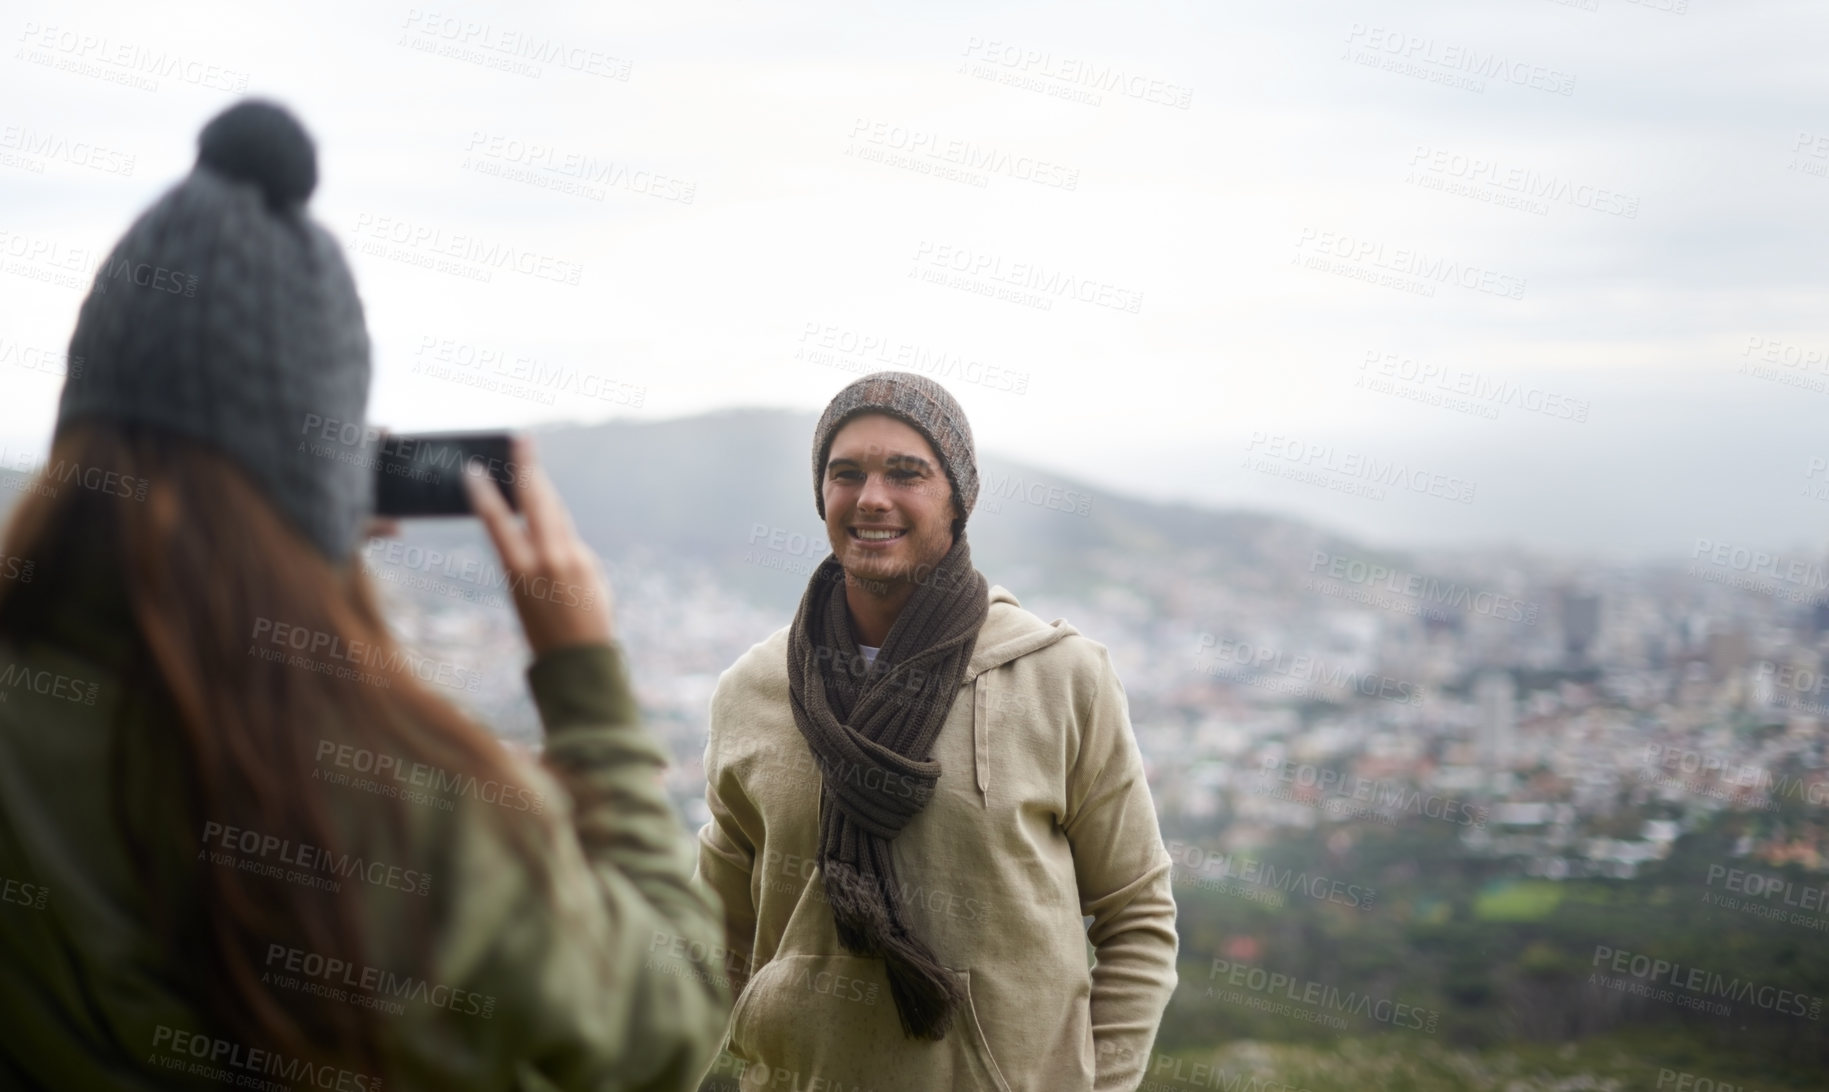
[
  {"x": 380, "y": 527},
  {"x": 559, "y": 589}
]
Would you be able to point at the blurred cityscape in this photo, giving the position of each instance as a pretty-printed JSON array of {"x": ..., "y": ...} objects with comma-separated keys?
[{"x": 1573, "y": 720}]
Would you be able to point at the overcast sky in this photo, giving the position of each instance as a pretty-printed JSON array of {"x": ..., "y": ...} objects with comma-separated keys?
[{"x": 1522, "y": 271}]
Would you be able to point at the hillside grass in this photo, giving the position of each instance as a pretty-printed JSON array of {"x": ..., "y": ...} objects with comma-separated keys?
[{"x": 1619, "y": 1063}]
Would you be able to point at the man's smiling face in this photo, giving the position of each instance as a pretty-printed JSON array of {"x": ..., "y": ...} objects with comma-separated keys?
[{"x": 889, "y": 506}]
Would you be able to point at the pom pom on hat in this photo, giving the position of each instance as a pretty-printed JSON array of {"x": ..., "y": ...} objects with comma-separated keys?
[{"x": 261, "y": 142}]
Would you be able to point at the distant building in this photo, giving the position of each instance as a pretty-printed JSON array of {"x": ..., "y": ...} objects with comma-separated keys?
[
  {"x": 1580, "y": 623},
  {"x": 1495, "y": 700},
  {"x": 1726, "y": 653}
]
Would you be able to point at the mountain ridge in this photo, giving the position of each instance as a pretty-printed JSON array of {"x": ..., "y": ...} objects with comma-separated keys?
[{"x": 731, "y": 491}]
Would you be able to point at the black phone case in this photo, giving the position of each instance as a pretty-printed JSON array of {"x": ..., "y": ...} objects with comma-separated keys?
[{"x": 422, "y": 474}]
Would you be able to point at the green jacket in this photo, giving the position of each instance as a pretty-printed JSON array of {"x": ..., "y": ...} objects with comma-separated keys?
[{"x": 605, "y": 983}]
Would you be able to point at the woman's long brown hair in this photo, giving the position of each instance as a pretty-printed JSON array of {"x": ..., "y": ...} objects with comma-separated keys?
[{"x": 201, "y": 561}]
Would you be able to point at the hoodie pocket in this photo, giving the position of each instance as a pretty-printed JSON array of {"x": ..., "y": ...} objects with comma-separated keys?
[
  {"x": 829, "y": 1022},
  {"x": 803, "y": 1018},
  {"x": 989, "y": 1076}
]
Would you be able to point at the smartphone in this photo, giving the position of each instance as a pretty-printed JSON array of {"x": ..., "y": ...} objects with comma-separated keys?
[{"x": 422, "y": 474}]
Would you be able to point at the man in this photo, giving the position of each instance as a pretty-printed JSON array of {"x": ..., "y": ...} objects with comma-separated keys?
[{"x": 918, "y": 790}]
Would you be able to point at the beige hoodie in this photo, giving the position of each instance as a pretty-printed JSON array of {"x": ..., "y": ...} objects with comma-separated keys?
[{"x": 1042, "y": 815}]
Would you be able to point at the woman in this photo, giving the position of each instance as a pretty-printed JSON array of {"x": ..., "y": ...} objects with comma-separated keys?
[{"x": 240, "y": 841}]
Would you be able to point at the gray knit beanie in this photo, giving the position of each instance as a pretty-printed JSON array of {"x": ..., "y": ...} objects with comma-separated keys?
[
  {"x": 227, "y": 315},
  {"x": 924, "y": 405}
]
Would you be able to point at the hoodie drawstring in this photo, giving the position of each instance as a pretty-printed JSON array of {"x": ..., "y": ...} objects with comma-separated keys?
[{"x": 981, "y": 736}]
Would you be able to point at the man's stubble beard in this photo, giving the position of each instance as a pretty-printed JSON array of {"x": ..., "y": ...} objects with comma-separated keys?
[{"x": 881, "y": 576}]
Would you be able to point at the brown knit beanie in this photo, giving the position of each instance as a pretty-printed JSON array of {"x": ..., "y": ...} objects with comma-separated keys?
[{"x": 926, "y": 406}]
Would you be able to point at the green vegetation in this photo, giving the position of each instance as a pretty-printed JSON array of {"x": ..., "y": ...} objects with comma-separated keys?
[
  {"x": 1517, "y": 900},
  {"x": 1600, "y": 1064},
  {"x": 1462, "y": 974}
]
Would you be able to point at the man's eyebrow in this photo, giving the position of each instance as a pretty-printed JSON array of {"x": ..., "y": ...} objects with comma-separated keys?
[{"x": 914, "y": 462}]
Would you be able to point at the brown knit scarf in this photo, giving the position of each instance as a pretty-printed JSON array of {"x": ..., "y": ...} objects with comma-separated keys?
[{"x": 872, "y": 733}]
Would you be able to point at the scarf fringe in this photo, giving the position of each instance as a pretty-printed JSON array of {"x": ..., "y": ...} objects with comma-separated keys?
[
  {"x": 926, "y": 993},
  {"x": 926, "y": 996}
]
